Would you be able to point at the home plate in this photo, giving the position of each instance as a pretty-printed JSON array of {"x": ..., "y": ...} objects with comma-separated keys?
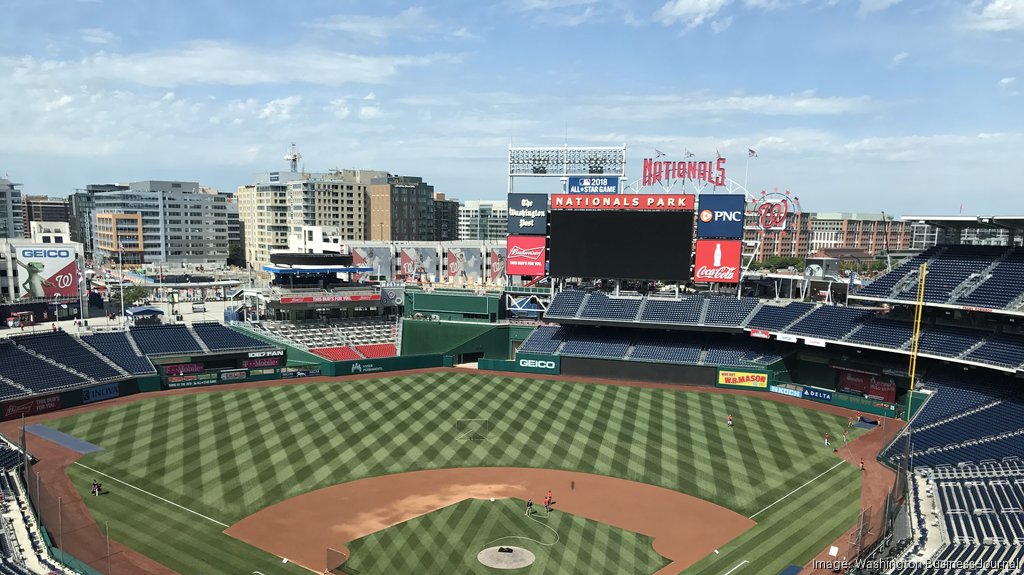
[{"x": 517, "y": 559}]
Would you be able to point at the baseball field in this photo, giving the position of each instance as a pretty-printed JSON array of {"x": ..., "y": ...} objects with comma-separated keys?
[{"x": 180, "y": 471}]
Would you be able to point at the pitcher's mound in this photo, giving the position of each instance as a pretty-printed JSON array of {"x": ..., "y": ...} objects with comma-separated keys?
[{"x": 517, "y": 559}]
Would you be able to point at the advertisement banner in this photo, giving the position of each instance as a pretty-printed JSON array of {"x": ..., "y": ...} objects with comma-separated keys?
[
  {"x": 817, "y": 394},
  {"x": 261, "y": 362},
  {"x": 330, "y": 298},
  {"x": 537, "y": 363},
  {"x": 267, "y": 353},
  {"x": 419, "y": 262},
  {"x": 465, "y": 264},
  {"x": 743, "y": 379},
  {"x": 873, "y": 386},
  {"x": 196, "y": 380},
  {"x": 46, "y": 271},
  {"x": 785, "y": 337},
  {"x": 786, "y": 389},
  {"x": 760, "y": 334},
  {"x": 498, "y": 257},
  {"x": 661, "y": 202},
  {"x": 720, "y": 216},
  {"x": 31, "y": 406},
  {"x": 815, "y": 342},
  {"x": 101, "y": 392},
  {"x": 525, "y": 255},
  {"x": 378, "y": 257},
  {"x": 183, "y": 368},
  {"x": 592, "y": 185},
  {"x": 717, "y": 261},
  {"x": 528, "y": 214},
  {"x": 233, "y": 375}
]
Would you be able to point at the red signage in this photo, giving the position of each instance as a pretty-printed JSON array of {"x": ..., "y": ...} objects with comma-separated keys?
[
  {"x": 497, "y": 263},
  {"x": 329, "y": 298},
  {"x": 525, "y": 256},
  {"x": 183, "y": 368},
  {"x": 760, "y": 334},
  {"x": 261, "y": 362},
  {"x": 656, "y": 171},
  {"x": 868, "y": 385},
  {"x": 717, "y": 261},
  {"x": 31, "y": 406},
  {"x": 660, "y": 202}
]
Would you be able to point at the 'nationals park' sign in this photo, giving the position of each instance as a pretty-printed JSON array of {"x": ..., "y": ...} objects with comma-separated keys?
[{"x": 663, "y": 202}]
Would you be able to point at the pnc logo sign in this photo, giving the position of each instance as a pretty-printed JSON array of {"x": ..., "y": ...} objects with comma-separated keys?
[{"x": 721, "y": 216}]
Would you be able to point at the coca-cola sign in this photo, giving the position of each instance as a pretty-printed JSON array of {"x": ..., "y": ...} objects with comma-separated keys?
[{"x": 717, "y": 261}]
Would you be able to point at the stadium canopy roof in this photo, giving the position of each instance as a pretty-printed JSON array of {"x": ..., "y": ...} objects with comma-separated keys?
[
  {"x": 318, "y": 270},
  {"x": 143, "y": 310},
  {"x": 970, "y": 222}
]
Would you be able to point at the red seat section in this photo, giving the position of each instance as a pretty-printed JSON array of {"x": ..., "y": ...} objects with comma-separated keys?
[
  {"x": 337, "y": 353},
  {"x": 378, "y": 349}
]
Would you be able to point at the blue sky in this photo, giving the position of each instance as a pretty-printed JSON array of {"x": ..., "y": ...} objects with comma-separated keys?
[{"x": 903, "y": 106}]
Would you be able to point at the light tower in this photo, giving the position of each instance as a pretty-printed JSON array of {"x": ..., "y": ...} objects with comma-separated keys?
[{"x": 293, "y": 156}]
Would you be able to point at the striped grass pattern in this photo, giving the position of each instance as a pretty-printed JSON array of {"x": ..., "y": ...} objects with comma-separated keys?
[{"x": 226, "y": 454}]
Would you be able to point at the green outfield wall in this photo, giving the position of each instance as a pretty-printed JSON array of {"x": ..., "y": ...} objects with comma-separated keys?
[{"x": 457, "y": 339}]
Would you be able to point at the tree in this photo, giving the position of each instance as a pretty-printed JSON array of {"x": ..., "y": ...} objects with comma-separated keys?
[{"x": 132, "y": 295}]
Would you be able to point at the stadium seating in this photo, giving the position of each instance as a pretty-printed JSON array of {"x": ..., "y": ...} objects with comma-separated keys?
[
  {"x": 219, "y": 337},
  {"x": 165, "y": 339},
  {"x": 9, "y": 457},
  {"x": 601, "y": 342},
  {"x": 600, "y": 306},
  {"x": 33, "y": 372},
  {"x": 544, "y": 340},
  {"x": 1001, "y": 287},
  {"x": 1004, "y": 350},
  {"x": 728, "y": 310},
  {"x": 666, "y": 347},
  {"x": 372, "y": 350},
  {"x": 1003, "y": 417},
  {"x": 776, "y": 317},
  {"x": 829, "y": 322},
  {"x": 342, "y": 353},
  {"x": 67, "y": 350},
  {"x": 728, "y": 352},
  {"x": 565, "y": 304},
  {"x": 8, "y": 391},
  {"x": 884, "y": 285},
  {"x": 948, "y": 341},
  {"x": 882, "y": 332},
  {"x": 672, "y": 311},
  {"x": 117, "y": 348}
]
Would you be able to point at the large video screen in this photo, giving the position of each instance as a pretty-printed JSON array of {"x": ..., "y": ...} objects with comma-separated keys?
[{"x": 621, "y": 244}]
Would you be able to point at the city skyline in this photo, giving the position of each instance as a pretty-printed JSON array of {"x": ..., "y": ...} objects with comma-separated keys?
[{"x": 878, "y": 105}]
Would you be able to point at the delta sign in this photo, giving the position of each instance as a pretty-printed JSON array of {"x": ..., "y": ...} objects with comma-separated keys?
[
  {"x": 720, "y": 216},
  {"x": 665, "y": 172},
  {"x": 45, "y": 272}
]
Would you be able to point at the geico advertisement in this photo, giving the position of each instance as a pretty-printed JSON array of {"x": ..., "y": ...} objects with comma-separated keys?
[
  {"x": 743, "y": 379},
  {"x": 46, "y": 271}
]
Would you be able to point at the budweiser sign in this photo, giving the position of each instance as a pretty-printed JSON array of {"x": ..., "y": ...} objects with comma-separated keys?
[
  {"x": 717, "y": 261},
  {"x": 525, "y": 255}
]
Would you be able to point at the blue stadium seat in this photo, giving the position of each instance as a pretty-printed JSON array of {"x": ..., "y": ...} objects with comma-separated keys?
[
  {"x": 220, "y": 337},
  {"x": 1001, "y": 287},
  {"x": 165, "y": 339},
  {"x": 775, "y": 317},
  {"x": 830, "y": 322},
  {"x": 565, "y": 304},
  {"x": 34, "y": 373},
  {"x": 600, "y": 306},
  {"x": 684, "y": 311},
  {"x": 1005, "y": 350},
  {"x": 883, "y": 332},
  {"x": 117, "y": 348},
  {"x": 728, "y": 310},
  {"x": 67, "y": 350},
  {"x": 666, "y": 347},
  {"x": 545, "y": 340}
]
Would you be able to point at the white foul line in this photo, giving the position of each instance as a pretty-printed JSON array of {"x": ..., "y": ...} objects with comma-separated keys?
[
  {"x": 797, "y": 489},
  {"x": 737, "y": 567},
  {"x": 154, "y": 495}
]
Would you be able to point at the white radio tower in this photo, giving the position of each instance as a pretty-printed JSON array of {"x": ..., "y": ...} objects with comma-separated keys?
[{"x": 293, "y": 156}]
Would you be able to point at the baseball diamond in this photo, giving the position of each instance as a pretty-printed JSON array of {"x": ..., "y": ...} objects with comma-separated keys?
[{"x": 184, "y": 466}]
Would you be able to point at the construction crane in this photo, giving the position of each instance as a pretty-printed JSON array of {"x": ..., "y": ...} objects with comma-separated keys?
[{"x": 293, "y": 156}]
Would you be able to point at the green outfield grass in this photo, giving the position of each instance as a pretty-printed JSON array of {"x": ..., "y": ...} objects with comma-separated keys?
[
  {"x": 448, "y": 540},
  {"x": 228, "y": 453}
]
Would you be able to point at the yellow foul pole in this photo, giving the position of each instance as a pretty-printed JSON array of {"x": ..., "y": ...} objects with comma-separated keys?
[{"x": 918, "y": 310}]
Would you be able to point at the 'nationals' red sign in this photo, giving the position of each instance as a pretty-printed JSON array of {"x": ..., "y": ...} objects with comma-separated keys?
[
  {"x": 662, "y": 202},
  {"x": 717, "y": 261},
  {"x": 329, "y": 298},
  {"x": 656, "y": 171},
  {"x": 525, "y": 256}
]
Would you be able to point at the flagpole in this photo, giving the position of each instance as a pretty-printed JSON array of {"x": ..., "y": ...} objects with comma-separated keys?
[{"x": 746, "y": 171}]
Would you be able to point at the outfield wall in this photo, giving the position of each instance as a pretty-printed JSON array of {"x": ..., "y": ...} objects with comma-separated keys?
[
  {"x": 476, "y": 340},
  {"x": 16, "y": 408},
  {"x": 639, "y": 371}
]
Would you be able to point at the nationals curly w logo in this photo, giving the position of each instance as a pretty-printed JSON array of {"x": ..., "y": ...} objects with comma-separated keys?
[{"x": 64, "y": 281}]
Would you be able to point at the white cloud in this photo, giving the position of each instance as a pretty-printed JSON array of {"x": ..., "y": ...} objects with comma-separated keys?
[
  {"x": 898, "y": 59},
  {"x": 379, "y": 27},
  {"x": 209, "y": 62},
  {"x": 369, "y": 112},
  {"x": 721, "y": 25},
  {"x": 867, "y": 6},
  {"x": 464, "y": 34},
  {"x": 691, "y": 13},
  {"x": 1007, "y": 81},
  {"x": 997, "y": 15},
  {"x": 97, "y": 36},
  {"x": 279, "y": 110},
  {"x": 545, "y": 5},
  {"x": 581, "y": 18},
  {"x": 669, "y": 107},
  {"x": 339, "y": 108},
  {"x": 370, "y": 96}
]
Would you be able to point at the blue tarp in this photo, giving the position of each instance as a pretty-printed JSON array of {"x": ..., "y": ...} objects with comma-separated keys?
[{"x": 62, "y": 439}]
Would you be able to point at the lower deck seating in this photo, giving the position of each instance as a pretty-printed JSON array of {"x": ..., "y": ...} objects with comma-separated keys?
[
  {"x": 343, "y": 353},
  {"x": 378, "y": 350}
]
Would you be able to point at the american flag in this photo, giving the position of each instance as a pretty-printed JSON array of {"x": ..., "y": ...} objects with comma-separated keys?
[
  {"x": 658, "y": 153},
  {"x": 751, "y": 153}
]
